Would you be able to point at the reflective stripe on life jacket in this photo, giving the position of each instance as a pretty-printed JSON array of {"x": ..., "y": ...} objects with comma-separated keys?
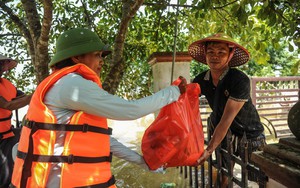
[
  {"x": 8, "y": 91},
  {"x": 85, "y": 160}
]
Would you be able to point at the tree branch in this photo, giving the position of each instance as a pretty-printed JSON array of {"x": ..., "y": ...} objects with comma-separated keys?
[
  {"x": 88, "y": 17},
  {"x": 33, "y": 18},
  {"x": 220, "y": 7},
  {"x": 128, "y": 11},
  {"x": 278, "y": 13},
  {"x": 171, "y": 5},
  {"x": 23, "y": 29},
  {"x": 42, "y": 40},
  {"x": 158, "y": 25},
  {"x": 287, "y": 2},
  {"x": 222, "y": 16},
  {"x": 130, "y": 7},
  {"x": 187, "y": 6},
  {"x": 109, "y": 13},
  {"x": 10, "y": 34},
  {"x": 136, "y": 6},
  {"x": 46, "y": 24}
]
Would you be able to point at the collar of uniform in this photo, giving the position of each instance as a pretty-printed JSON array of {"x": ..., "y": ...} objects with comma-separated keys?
[{"x": 207, "y": 75}]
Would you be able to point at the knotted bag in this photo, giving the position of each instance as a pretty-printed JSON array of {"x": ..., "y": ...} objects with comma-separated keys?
[{"x": 175, "y": 138}]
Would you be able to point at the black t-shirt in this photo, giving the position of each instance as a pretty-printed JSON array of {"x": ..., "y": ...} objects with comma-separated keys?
[{"x": 233, "y": 84}]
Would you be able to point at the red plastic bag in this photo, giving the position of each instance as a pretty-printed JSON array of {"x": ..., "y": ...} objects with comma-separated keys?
[{"x": 175, "y": 138}]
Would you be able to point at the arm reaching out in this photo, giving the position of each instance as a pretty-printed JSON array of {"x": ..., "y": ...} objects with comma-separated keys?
[
  {"x": 16, "y": 103},
  {"x": 231, "y": 110}
]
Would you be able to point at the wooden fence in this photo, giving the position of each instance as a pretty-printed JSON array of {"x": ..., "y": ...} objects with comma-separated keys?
[{"x": 273, "y": 98}]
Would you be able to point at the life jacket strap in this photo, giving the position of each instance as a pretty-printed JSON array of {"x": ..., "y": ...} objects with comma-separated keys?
[
  {"x": 70, "y": 159},
  {"x": 7, "y": 118},
  {"x": 67, "y": 127},
  {"x": 109, "y": 183},
  {"x": 5, "y": 132}
]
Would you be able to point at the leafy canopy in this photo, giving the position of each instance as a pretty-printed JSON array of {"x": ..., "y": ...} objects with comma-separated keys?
[{"x": 269, "y": 29}]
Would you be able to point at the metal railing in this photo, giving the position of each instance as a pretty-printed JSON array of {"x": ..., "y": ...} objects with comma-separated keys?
[{"x": 205, "y": 178}]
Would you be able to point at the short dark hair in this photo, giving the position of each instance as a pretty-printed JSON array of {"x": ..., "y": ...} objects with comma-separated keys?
[
  {"x": 1, "y": 65},
  {"x": 216, "y": 42},
  {"x": 64, "y": 63}
]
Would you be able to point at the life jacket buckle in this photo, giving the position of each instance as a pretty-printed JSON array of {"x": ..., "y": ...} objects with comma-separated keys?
[
  {"x": 29, "y": 124},
  {"x": 85, "y": 128},
  {"x": 71, "y": 159}
]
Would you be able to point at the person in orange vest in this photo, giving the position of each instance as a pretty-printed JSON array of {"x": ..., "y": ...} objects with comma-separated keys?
[
  {"x": 65, "y": 140},
  {"x": 10, "y": 99},
  {"x": 227, "y": 91}
]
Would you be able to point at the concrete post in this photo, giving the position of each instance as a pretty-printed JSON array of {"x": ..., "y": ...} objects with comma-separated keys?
[{"x": 161, "y": 63}]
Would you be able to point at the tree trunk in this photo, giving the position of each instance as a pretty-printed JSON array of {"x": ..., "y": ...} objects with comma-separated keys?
[
  {"x": 118, "y": 65},
  {"x": 39, "y": 36},
  {"x": 35, "y": 33}
]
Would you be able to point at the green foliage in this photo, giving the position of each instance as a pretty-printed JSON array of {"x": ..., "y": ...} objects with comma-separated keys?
[
  {"x": 255, "y": 25},
  {"x": 14, "y": 46},
  {"x": 197, "y": 68},
  {"x": 150, "y": 31},
  {"x": 261, "y": 26},
  {"x": 282, "y": 62}
]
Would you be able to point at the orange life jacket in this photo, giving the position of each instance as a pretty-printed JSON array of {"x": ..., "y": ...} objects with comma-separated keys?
[
  {"x": 86, "y": 156},
  {"x": 8, "y": 91}
]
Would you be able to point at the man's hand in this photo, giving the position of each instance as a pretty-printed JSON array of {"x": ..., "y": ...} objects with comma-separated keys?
[
  {"x": 182, "y": 85},
  {"x": 160, "y": 170},
  {"x": 203, "y": 157}
]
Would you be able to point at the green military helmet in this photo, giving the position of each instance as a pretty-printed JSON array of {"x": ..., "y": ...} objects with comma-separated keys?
[{"x": 77, "y": 42}]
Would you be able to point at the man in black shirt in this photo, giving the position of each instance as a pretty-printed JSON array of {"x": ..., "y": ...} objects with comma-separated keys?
[{"x": 228, "y": 93}]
